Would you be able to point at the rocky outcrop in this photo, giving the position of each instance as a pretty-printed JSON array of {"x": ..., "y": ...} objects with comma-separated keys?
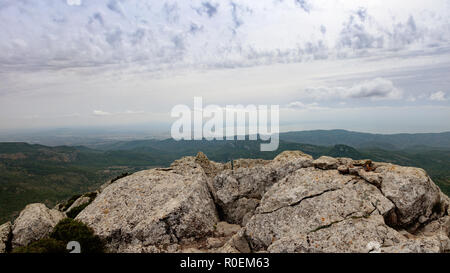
[
  {"x": 154, "y": 208},
  {"x": 290, "y": 204},
  {"x": 307, "y": 208},
  {"x": 411, "y": 190},
  {"x": 34, "y": 222},
  {"x": 5, "y": 236},
  {"x": 357, "y": 234},
  {"x": 238, "y": 192},
  {"x": 326, "y": 210}
]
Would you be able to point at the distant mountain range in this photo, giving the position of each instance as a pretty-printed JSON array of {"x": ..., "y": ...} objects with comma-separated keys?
[
  {"x": 38, "y": 173},
  {"x": 366, "y": 140}
]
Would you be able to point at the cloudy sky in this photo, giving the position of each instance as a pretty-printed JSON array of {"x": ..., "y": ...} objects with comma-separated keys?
[{"x": 373, "y": 66}]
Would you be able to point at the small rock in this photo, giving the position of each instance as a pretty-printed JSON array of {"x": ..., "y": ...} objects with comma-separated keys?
[
  {"x": 227, "y": 249},
  {"x": 371, "y": 177},
  {"x": 354, "y": 170},
  {"x": 5, "y": 236},
  {"x": 344, "y": 161},
  {"x": 343, "y": 169},
  {"x": 326, "y": 163},
  {"x": 226, "y": 229},
  {"x": 192, "y": 250},
  {"x": 214, "y": 243},
  {"x": 173, "y": 248},
  {"x": 34, "y": 222},
  {"x": 362, "y": 162},
  {"x": 245, "y": 163},
  {"x": 239, "y": 242}
]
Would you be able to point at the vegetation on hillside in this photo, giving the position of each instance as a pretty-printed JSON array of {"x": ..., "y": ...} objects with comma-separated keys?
[{"x": 36, "y": 173}]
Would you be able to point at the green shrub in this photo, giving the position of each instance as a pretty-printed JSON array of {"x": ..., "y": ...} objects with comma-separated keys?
[
  {"x": 91, "y": 195},
  {"x": 46, "y": 245},
  {"x": 76, "y": 210},
  {"x": 72, "y": 230},
  {"x": 119, "y": 177},
  {"x": 71, "y": 201}
]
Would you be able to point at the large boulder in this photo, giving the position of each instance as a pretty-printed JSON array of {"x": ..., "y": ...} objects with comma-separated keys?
[
  {"x": 35, "y": 222},
  {"x": 5, "y": 236},
  {"x": 310, "y": 200},
  {"x": 150, "y": 209},
  {"x": 238, "y": 192},
  {"x": 355, "y": 235},
  {"x": 412, "y": 191},
  {"x": 343, "y": 205}
]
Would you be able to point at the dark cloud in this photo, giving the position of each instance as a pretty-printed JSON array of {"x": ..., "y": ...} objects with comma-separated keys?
[
  {"x": 114, "y": 38},
  {"x": 234, "y": 10},
  {"x": 405, "y": 33},
  {"x": 355, "y": 35},
  {"x": 137, "y": 36},
  {"x": 237, "y": 13},
  {"x": 362, "y": 14},
  {"x": 44, "y": 35},
  {"x": 208, "y": 8},
  {"x": 360, "y": 33},
  {"x": 97, "y": 17},
  {"x": 304, "y": 5},
  {"x": 115, "y": 6},
  {"x": 178, "y": 41},
  {"x": 171, "y": 12},
  {"x": 194, "y": 28}
]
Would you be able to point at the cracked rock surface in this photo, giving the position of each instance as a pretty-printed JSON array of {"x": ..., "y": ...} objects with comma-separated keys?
[
  {"x": 153, "y": 208},
  {"x": 292, "y": 203},
  {"x": 238, "y": 192},
  {"x": 34, "y": 222}
]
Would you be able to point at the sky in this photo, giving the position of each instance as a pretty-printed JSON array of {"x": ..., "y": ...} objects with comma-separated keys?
[{"x": 372, "y": 66}]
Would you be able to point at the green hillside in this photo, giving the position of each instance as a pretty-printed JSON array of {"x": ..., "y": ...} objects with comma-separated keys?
[
  {"x": 37, "y": 173},
  {"x": 366, "y": 140}
]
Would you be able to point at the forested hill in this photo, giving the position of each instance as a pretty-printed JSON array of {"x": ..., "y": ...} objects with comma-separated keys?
[
  {"x": 366, "y": 140},
  {"x": 37, "y": 173}
]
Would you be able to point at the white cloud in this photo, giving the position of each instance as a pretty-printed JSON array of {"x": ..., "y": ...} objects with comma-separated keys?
[
  {"x": 376, "y": 89},
  {"x": 157, "y": 34},
  {"x": 101, "y": 113},
  {"x": 74, "y": 2},
  {"x": 438, "y": 96},
  {"x": 57, "y": 59},
  {"x": 132, "y": 112},
  {"x": 301, "y": 105}
]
